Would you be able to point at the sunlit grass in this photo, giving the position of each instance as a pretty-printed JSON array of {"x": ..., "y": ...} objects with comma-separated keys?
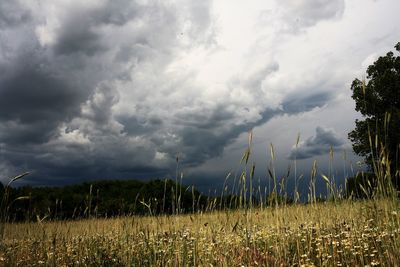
[{"x": 324, "y": 234}]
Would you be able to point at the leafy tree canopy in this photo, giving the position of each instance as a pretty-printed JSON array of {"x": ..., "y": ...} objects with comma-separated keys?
[{"x": 378, "y": 100}]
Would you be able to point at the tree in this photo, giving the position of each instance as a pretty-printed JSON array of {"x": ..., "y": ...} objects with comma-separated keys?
[{"x": 378, "y": 100}]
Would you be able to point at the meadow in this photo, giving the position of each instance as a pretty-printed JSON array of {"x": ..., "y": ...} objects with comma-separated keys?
[
  {"x": 339, "y": 230},
  {"x": 345, "y": 233}
]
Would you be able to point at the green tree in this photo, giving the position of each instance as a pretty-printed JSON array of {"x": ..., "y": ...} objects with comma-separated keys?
[{"x": 378, "y": 100}]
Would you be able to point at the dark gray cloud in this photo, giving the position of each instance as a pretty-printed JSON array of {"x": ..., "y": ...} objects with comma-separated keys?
[
  {"x": 320, "y": 144},
  {"x": 301, "y": 102},
  {"x": 34, "y": 99},
  {"x": 205, "y": 137},
  {"x": 87, "y": 91},
  {"x": 84, "y": 30},
  {"x": 59, "y": 80},
  {"x": 137, "y": 126},
  {"x": 12, "y": 13}
]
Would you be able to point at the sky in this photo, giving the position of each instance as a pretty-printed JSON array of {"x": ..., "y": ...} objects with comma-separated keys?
[{"x": 119, "y": 89}]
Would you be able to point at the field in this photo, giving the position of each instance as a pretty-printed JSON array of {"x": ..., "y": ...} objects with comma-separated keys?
[{"x": 344, "y": 233}]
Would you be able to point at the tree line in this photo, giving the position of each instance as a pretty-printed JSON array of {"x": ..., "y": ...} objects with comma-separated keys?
[
  {"x": 101, "y": 199},
  {"x": 111, "y": 198}
]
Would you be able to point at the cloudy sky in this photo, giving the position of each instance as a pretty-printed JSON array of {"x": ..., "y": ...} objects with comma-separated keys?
[{"x": 101, "y": 89}]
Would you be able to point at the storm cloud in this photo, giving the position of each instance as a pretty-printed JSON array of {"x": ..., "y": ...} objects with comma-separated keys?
[
  {"x": 13, "y": 13},
  {"x": 320, "y": 144},
  {"x": 119, "y": 89}
]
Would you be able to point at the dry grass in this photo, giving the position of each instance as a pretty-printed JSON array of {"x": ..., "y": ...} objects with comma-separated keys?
[{"x": 325, "y": 234}]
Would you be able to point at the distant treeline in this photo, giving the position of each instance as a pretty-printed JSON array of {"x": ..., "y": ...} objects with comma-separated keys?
[
  {"x": 127, "y": 197},
  {"x": 110, "y": 199},
  {"x": 101, "y": 199}
]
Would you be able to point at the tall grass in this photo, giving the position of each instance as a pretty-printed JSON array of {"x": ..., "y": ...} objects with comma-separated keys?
[
  {"x": 322, "y": 234},
  {"x": 6, "y": 203}
]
